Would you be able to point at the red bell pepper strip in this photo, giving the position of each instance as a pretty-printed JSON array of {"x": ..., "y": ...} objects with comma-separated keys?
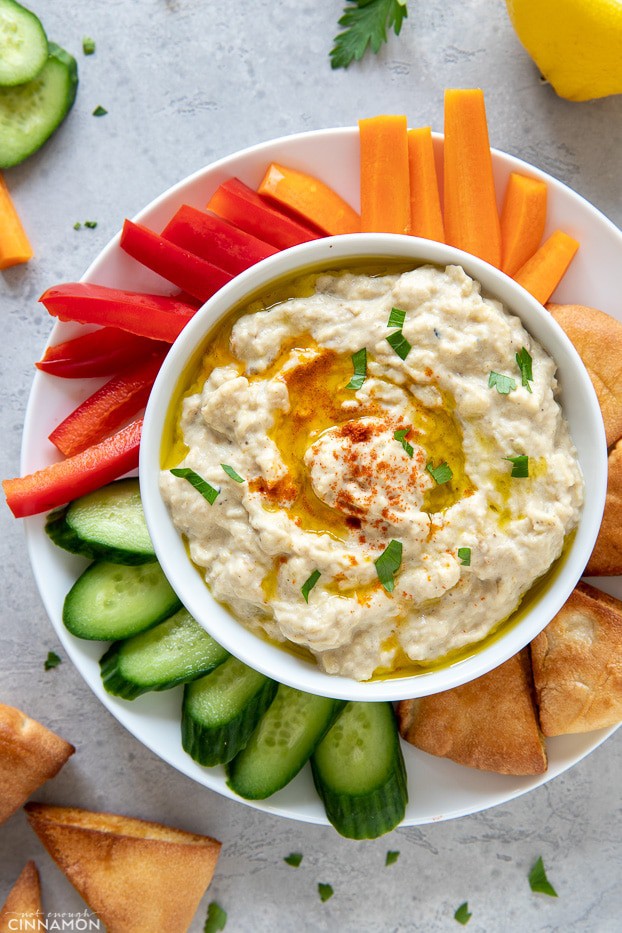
[
  {"x": 215, "y": 239},
  {"x": 68, "y": 479},
  {"x": 106, "y": 409},
  {"x": 101, "y": 352},
  {"x": 194, "y": 275},
  {"x": 242, "y": 206},
  {"x": 157, "y": 316}
]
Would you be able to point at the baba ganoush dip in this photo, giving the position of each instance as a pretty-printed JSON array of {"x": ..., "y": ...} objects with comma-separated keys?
[{"x": 390, "y": 470}]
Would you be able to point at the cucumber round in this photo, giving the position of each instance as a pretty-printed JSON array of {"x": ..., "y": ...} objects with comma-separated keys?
[
  {"x": 23, "y": 44},
  {"x": 111, "y": 601},
  {"x": 31, "y": 112}
]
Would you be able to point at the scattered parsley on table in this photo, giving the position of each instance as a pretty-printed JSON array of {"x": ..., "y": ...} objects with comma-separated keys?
[
  {"x": 538, "y": 882},
  {"x": 52, "y": 661}
]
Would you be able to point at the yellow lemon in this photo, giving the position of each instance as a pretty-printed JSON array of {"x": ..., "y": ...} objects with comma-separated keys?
[{"x": 576, "y": 44}]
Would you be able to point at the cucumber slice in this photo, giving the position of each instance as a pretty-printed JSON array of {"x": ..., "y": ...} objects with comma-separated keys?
[
  {"x": 107, "y": 524},
  {"x": 359, "y": 772},
  {"x": 23, "y": 44},
  {"x": 176, "y": 651},
  {"x": 31, "y": 112},
  {"x": 282, "y": 742},
  {"x": 220, "y": 711},
  {"x": 110, "y": 601}
]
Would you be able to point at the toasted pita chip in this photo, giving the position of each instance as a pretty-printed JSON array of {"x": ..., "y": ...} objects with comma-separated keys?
[
  {"x": 606, "y": 558},
  {"x": 577, "y": 664},
  {"x": 30, "y": 754},
  {"x": 22, "y": 909},
  {"x": 135, "y": 875},
  {"x": 598, "y": 339},
  {"x": 489, "y": 723}
]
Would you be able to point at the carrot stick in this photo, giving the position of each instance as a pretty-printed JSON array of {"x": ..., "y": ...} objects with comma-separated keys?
[
  {"x": 522, "y": 220},
  {"x": 426, "y": 218},
  {"x": 309, "y": 198},
  {"x": 385, "y": 181},
  {"x": 470, "y": 205},
  {"x": 543, "y": 272},
  {"x": 14, "y": 244}
]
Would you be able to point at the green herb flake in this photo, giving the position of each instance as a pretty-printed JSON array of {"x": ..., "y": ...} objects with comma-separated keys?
[
  {"x": 77, "y": 225},
  {"x": 208, "y": 492},
  {"x": 388, "y": 564},
  {"x": 325, "y": 891},
  {"x": 231, "y": 472},
  {"x": 52, "y": 661},
  {"x": 503, "y": 384},
  {"x": 440, "y": 474},
  {"x": 524, "y": 361},
  {"x": 294, "y": 859},
  {"x": 365, "y": 24},
  {"x": 359, "y": 364},
  {"x": 100, "y": 111},
  {"x": 464, "y": 556},
  {"x": 463, "y": 915},
  {"x": 538, "y": 881},
  {"x": 88, "y": 45},
  {"x": 396, "y": 318},
  {"x": 520, "y": 466},
  {"x": 398, "y": 341},
  {"x": 308, "y": 585},
  {"x": 91, "y": 224},
  {"x": 216, "y": 918},
  {"x": 391, "y": 858},
  {"x": 401, "y": 437}
]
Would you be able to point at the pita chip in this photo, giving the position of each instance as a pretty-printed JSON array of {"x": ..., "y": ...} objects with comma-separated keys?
[
  {"x": 489, "y": 723},
  {"x": 577, "y": 664},
  {"x": 137, "y": 876},
  {"x": 606, "y": 558},
  {"x": 22, "y": 909},
  {"x": 597, "y": 337},
  {"x": 30, "y": 754}
]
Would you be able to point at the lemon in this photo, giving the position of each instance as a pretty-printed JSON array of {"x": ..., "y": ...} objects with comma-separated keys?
[{"x": 576, "y": 44}]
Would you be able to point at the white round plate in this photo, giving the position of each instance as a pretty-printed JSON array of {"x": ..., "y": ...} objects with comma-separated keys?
[{"x": 439, "y": 789}]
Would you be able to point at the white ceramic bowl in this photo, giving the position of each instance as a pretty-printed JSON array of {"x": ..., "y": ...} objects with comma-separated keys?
[{"x": 580, "y": 407}]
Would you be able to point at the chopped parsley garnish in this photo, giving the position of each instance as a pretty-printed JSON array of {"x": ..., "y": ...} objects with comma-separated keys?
[
  {"x": 503, "y": 384},
  {"x": 388, "y": 564},
  {"x": 440, "y": 474},
  {"x": 538, "y": 881},
  {"x": 52, "y": 661},
  {"x": 88, "y": 45},
  {"x": 201, "y": 485},
  {"x": 100, "y": 111},
  {"x": 520, "y": 466},
  {"x": 231, "y": 472},
  {"x": 90, "y": 224},
  {"x": 401, "y": 437},
  {"x": 396, "y": 318},
  {"x": 359, "y": 364},
  {"x": 524, "y": 362},
  {"x": 392, "y": 857},
  {"x": 398, "y": 341},
  {"x": 365, "y": 24},
  {"x": 464, "y": 556},
  {"x": 216, "y": 919},
  {"x": 325, "y": 891},
  {"x": 77, "y": 225},
  {"x": 308, "y": 585},
  {"x": 294, "y": 859},
  {"x": 462, "y": 915}
]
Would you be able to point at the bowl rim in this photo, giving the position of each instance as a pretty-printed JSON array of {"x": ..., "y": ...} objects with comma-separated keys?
[{"x": 259, "y": 653}]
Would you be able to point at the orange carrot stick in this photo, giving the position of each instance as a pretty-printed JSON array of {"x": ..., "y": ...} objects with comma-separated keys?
[
  {"x": 470, "y": 205},
  {"x": 309, "y": 198},
  {"x": 523, "y": 218},
  {"x": 14, "y": 244},
  {"x": 426, "y": 217},
  {"x": 543, "y": 272},
  {"x": 385, "y": 181}
]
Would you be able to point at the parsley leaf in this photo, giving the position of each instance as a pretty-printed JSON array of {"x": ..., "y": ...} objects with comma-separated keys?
[
  {"x": 365, "y": 23},
  {"x": 520, "y": 466},
  {"x": 359, "y": 364},
  {"x": 88, "y": 45},
  {"x": 325, "y": 891},
  {"x": 396, "y": 318},
  {"x": 398, "y": 341},
  {"x": 201, "y": 485},
  {"x": 388, "y": 564},
  {"x": 100, "y": 111},
  {"x": 503, "y": 384},
  {"x": 524, "y": 361},
  {"x": 216, "y": 918},
  {"x": 52, "y": 661},
  {"x": 90, "y": 224},
  {"x": 294, "y": 859},
  {"x": 392, "y": 857},
  {"x": 440, "y": 474},
  {"x": 538, "y": 881},
  {"x": 462, "y": 915},
  {"x": 401, "y": 437},
  {"x": 231, "y": 472},
  {"x": 308, "y": 585},
  {"x": 464, "y": 556}
]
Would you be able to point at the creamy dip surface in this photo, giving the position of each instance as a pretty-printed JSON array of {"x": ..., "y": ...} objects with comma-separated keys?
[{"x": 377, "y": 522}]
